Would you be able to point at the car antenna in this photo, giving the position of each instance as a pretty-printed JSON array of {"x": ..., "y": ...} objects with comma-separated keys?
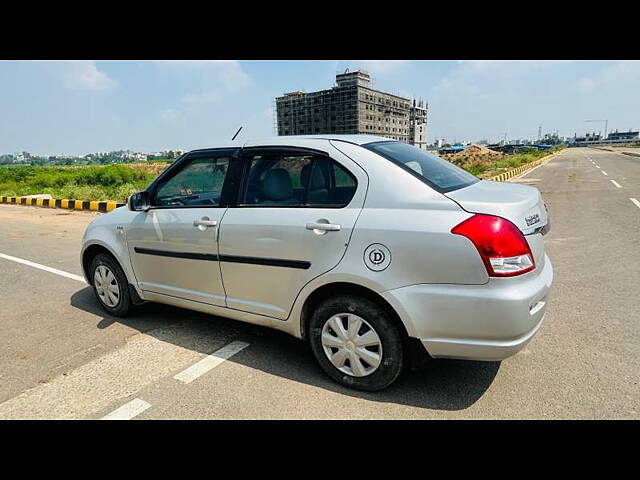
[{"x": 234, "y": 137}]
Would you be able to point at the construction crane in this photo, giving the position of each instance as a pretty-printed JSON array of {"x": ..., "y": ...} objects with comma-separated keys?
[{"x": 606, "y": 123}]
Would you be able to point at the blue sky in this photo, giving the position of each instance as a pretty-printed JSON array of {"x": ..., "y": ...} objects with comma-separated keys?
[{"x": 65, "y": 107}]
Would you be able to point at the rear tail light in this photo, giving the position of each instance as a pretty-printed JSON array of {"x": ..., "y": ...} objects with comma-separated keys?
[{"x": 503, "y": 248}]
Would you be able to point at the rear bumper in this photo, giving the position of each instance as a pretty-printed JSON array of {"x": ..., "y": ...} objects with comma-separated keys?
[
  {"x": 477, "y": 322},
  {"x": 471, "y": 349}
]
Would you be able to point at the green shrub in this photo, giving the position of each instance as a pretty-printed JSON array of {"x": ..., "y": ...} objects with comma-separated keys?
[{"x": 100, "y": 182}]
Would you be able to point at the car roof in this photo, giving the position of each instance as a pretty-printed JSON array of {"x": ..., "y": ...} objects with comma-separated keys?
[
  {"x": 300, "y": 140},
  {"x": 361, "y": 139}
]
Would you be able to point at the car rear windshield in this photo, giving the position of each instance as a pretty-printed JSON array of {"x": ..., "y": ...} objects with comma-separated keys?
[{"x": 436, "y": 172}]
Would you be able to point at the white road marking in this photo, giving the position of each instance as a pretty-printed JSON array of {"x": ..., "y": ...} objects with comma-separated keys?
[
  {"x": 604, "y": 173},
  {"x": 111, "y": 379},
  {"x": 636, "y": 202},
  {"x": 522, "y": 175},
  {"x": 129, "y": 410},
  {"x": 43, "y": 267},
  {"x": 526, "y": 180},
  {"x": 616, "y": 184},
  {"x": 211, "y": 361},
  {"x": 597, "y": 166}
]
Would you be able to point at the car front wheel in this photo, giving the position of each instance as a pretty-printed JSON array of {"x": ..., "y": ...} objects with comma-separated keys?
[
  {"x": 110, "y": 285},
  {"x": 356, "y": 342}
]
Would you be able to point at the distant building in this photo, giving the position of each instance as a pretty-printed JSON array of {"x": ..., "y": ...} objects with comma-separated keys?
[
  {"x": 352, "y": 107},
  {"x": 589, "y": 137},
  {"x": 631, "y": 136},
  {"x": 135, "y": 156},
  {"x": 452, "y": 149},
  {"x": 418, "y": 124}
]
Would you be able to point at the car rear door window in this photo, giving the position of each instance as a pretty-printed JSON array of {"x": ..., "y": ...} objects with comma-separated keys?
[
  {"x": 274, "y": 180},
  {"x": 297, "y": 181}
]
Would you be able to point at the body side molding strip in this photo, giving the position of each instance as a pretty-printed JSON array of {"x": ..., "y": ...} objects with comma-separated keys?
[{"x": 271, "y": 262}]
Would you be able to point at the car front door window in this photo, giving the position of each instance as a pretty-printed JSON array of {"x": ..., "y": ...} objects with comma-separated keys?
[{"x": 199, "y": 183}]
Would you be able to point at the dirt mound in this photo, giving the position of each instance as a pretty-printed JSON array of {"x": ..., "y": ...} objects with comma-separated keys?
[{"x": 476, "y": 150}]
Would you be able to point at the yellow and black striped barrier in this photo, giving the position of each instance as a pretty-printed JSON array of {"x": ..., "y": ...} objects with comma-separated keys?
[
  {"x": 521, "y": 169},
  {"x": 62, "y": 203}
]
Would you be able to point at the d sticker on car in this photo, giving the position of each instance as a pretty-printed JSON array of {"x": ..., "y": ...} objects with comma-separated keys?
[{"x": 377, "y": 257}]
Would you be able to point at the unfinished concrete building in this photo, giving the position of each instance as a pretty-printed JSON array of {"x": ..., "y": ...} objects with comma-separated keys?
[{"x": 351, "y": 107}]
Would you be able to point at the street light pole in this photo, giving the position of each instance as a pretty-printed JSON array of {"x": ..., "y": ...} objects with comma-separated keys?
[{"x": 606, "y": 123}]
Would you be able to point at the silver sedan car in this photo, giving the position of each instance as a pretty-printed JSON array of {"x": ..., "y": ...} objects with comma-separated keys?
[{"x": 370, "y": 249}]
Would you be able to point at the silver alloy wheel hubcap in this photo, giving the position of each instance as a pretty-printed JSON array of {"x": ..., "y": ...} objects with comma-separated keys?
[
  {"x": 351, "y": 344},
  {"x": 106, "y": 286}
]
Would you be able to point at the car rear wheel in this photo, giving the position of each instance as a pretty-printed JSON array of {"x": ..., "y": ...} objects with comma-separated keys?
[
  {"x": 356, "y": 342},
  {"x": 110, "y": 285}
]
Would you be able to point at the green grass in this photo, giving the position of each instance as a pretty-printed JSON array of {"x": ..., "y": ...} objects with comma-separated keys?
[
  {"x": 108, "y": 182},
  {"x": 509, "y": 162}
]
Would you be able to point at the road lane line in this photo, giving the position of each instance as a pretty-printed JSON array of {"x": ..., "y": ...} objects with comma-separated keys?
[
  {"x": 89, "y": 390},
  {"x": 597, "y": 166},
  {"x": 616, "y": 184},
  {"x": 209, "y": 362},
  {"x": 604, "y": 173},
  {"x": 43, "y": 267},
  {"x": 128, "y": 411},
  {"x": 636, "y": 202}
]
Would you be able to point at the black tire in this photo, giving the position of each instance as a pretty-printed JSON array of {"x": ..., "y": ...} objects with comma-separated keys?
[
  {"x": 391, "y": 337},
  {"x": 123, "y": 307}
]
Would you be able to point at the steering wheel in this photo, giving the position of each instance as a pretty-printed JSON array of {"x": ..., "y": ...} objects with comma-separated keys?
[{"x": 173, "y": 200}]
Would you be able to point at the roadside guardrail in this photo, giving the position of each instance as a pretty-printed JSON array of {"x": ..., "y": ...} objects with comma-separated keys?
[{"x": 94, "y": 206}]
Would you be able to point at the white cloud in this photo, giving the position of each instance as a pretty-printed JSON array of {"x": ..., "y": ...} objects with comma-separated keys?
[
  {"x": 228, "y": 73},
  {"x": 207, "y": 97},
  {"x": 617, "y": 76},
  {"x": 172, "y": 115},
  {"x": 381, "y": 67},
  {"x": 475, "y": 71},
  {"x": 217, "y": 78},
  {"x": 85, "y": 76},
  {"x": 519, "y": 65},
  {"x": 488, "y": 97},
  {"x": 585, "y": 85}
]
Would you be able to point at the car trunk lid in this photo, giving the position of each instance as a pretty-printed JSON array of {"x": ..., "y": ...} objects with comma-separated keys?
[{"x": 522, "y": 205}]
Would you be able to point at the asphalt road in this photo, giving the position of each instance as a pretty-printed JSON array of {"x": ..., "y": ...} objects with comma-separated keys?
[{"x": 62, "y": 357}]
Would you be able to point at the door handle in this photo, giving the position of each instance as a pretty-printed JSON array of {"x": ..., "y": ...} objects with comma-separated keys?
[
  {"x": 326, "y": 227},
  {"x": 205, "y": 222}
]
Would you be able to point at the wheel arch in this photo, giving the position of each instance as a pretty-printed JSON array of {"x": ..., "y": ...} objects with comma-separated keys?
[
  {"x": 90, "y": 251},
  {"x": 87, "y": 256},
  {"x": 341, "y": 288}
]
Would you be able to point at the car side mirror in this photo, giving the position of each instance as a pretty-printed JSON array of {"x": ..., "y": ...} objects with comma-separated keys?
[{"x": 139, "y": 201}]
